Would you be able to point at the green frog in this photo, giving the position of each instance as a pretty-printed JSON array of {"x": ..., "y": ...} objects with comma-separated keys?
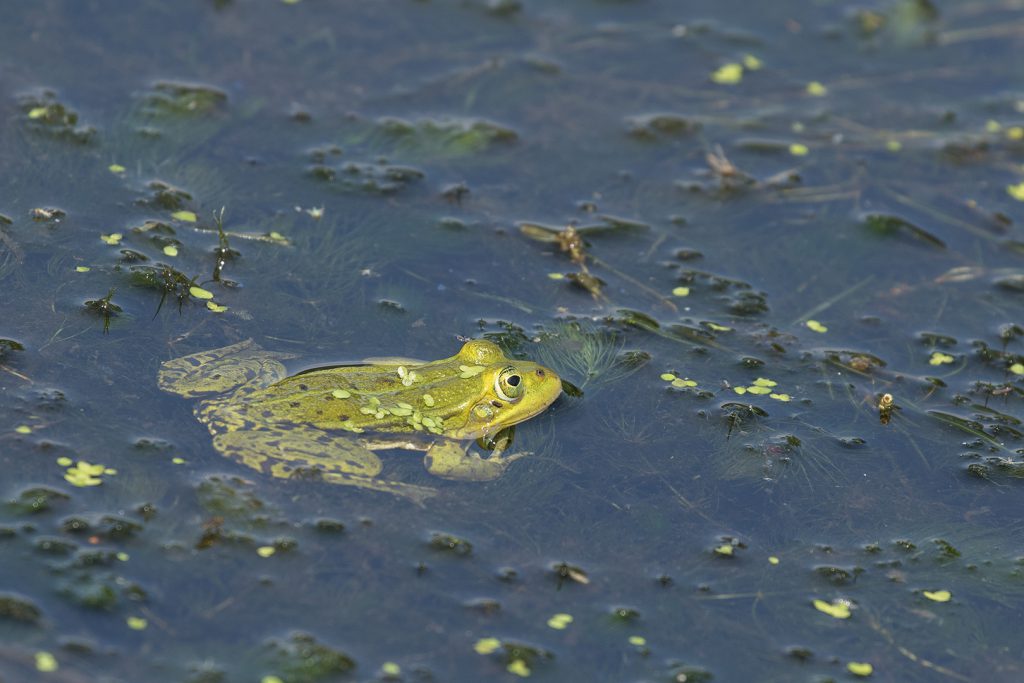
[{"x": 328, "y": 422}]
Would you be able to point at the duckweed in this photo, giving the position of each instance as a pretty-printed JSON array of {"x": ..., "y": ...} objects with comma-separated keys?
[
  {"x": 816, "y": 326},
  {"x": 837, "y": 609},
  {"x": 816, "y": 89},
  {"x": 46, "y": 662},
  {"x": 938, "y": 596},
  {"x": 137, "y": 623},
  {"x": 486, "y": 646},
  {"x": 728, "y": 74},
  {"x": 187, "y": 216},
  {"x": 112, "y": 239},
  {"x": 939, "y": 358},
  {"x": 560, "y": 621},
  {"x": 1016, "y": 191},
  {"x": 860, "y": 668}
]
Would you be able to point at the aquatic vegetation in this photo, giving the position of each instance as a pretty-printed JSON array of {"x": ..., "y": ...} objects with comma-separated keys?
[
  {"x": 169, "y": 99},
  {"x": 301, "y": 658},
  {"x": 586, "y": 353},
  {"x": 433, "y": 139},
  {"x": 46, "y": 115}
]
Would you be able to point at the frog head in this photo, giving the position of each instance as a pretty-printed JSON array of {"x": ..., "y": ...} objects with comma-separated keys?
[{"x": 509, "y": 392}]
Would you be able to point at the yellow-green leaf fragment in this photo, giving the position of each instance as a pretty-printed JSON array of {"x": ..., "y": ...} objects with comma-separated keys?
[
  {"x": 728, "y": 74},
  {"x": 23, "y": 429},
  {"x": 773, "y": 560},
  {"x": 681, "y": 291},
  {"x": 759, "y": 391},
  {"x": 993, "y": 126},
  {"x": 638, "y": 641},
  {"x": 266, "y": 550},
  {"x": 798, "y": 149},
  {"x": 740, "y": 390},
  {"x": 122, "y": 556},
  {"x": 816, "y": 89},
  {"x": 187, "y": 216},
  {"x": 668, "y": 376},
  {"x": 718, "y": 328},
  {"x": 683, "y": 383},
  {"x": 136, "y": 623},
  {"x": 1017, "y": 368},
  {"x": 1015, "y": 133},
  {"x": 556, "y": 276},
  {"x": 170, "y": 250},
  {"x": 390, "y": 669},
  {"x": 838, "y": 610},
  {"x": 65, "y": 461},
  {"x": 486, "y": 646},
  {"x": 46, "y": 662},
  {"x": 215, "y": 307},
  {"x": 1016, "y": 191},
  {"x": 178, "y": 461},
  {"x": 116, "y": 168},
  {"x": 519, "y": 668},
  {"x": 200, "y": 293},
  {"x": 938, "y": 596},
  {"x": 939, "y": 358},
  {"x": 112, "y": 239},
  {"x": 751, "y": 62},
  {"x": 860, "y": 668},
  {"x": 785, "y": 398},
  {"x": 893, "y": 145},
  {"x": 560, "y": 621},
  {"x": 725, "y": 549},
  {"x": 271, "y": 679},
  {"x": 82, "y": 269},
  {"x": 428, "y": 400},
  {"x": 815, "y": 326},
  {"x": 765, "y": 382},
  {"x": 37, "y": 113}
]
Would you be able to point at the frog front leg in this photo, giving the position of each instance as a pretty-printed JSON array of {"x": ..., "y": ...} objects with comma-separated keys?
[{"x": 453, "y": 460}]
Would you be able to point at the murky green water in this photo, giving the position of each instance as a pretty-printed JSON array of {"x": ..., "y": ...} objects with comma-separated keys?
[{"x": 785, "y": 211}]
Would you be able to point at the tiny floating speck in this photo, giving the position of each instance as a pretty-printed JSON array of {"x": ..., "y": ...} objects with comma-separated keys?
[{"x": 116, "y": 168}]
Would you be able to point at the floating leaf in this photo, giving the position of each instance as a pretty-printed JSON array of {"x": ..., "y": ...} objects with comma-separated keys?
[
  {"x": 116, "y": 168},
  {"x": 938, "y": 596},
  {"x": 939, "y": 358},
  {"x": 798, "y": 150},
  {"x": 681, "y": 291},
  {"x": 519, "y": 668},
  {"x": 136, "y": 623},
  {"x": 82, "y": 269},
  {"x": 816, "y": 89},
  {"x": 266, "y": 550},
  {"x": 728, "y": 74},
  {"x": 560, "y": 621},
  {"x": 860, "y": 668},
  {"x": 215, "y": 307},
  {"x": 486, "y": 646},
  {"x": 773, "y": 560},
  {"x": 170, "y": 250},
  {"x": 837, "y": 609},
  {"x": 200, "y": 293},
  {"x": 1016, "y": 191},
  {"x": 187, "y": 216},
  {"x": 815, "y": 326},
  {"x": 46, "y": 662},
  {"x": 112, "y": 238}
]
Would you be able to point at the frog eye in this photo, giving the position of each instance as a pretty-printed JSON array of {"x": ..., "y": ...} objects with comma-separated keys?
[{"x": 508, "y": 385}]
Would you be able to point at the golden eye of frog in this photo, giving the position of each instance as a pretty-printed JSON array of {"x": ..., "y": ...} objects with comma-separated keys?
[{"x": 329, "y": 421}]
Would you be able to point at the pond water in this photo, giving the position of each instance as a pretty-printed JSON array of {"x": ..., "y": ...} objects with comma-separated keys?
[{"x": 736, "y": 230}]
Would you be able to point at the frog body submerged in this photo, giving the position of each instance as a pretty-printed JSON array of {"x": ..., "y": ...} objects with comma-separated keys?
[{"x": 327, "y": 422}]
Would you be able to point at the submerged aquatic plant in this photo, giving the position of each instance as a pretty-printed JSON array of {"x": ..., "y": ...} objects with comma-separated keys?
[{"x": 591, "y": 354}]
